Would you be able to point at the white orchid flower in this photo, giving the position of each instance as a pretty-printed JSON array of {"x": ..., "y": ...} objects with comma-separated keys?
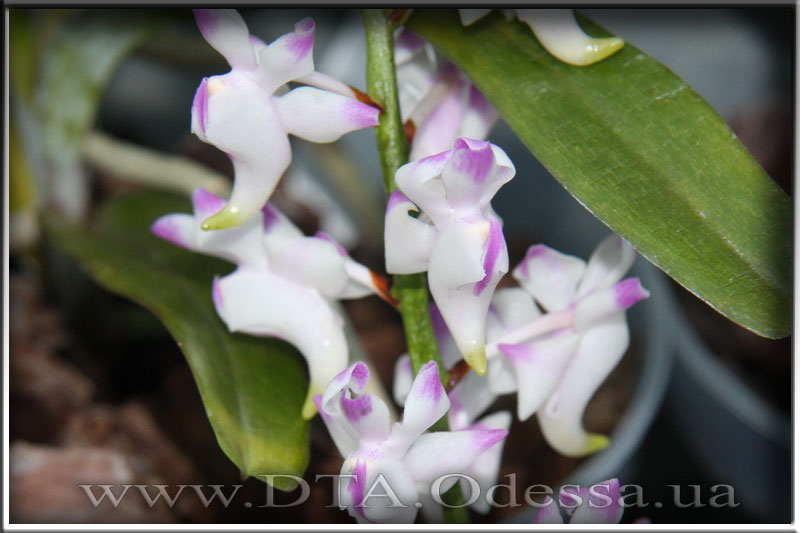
[
  {"x": 400, "y": 457},
  {"x": 558, "y": 32},
  {"x": 437, "y": 98},
  {"x": 457, "y": 237},
  {"x": 282, "y": 285},
  {"x": 248, "y": 113},
  {"x": 554, "y": 361}
]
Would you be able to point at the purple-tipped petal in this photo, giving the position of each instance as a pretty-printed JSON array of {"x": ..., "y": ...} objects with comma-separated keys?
[
  {"x": 177, "y": 229},
  {"x": 475, "y": 172},
  {"x": 216, "y": 295},
  {"x": 495, "y": 246},
  {"x": 357, "y": 486},
  {"x": 609, "y": 262},
  {"x": 226, "y": 31},
  {"x": 549, "y": 514},
  {"x": 550, "y": 276},
  {"x": 205, "y": 203},
  {"x": 200, "y": 109},
  {"x": 629, "y": 292},
  {"x": 436, "y": 454},
  {"x": 323, "y": 116},
  {"x": 300, "y": 43},
  {"x": 287, "y": 58},
  {"x": 601, "y": 505},
  {"x": 604, "y": 302},
  {"x": 425, "y": 403}
]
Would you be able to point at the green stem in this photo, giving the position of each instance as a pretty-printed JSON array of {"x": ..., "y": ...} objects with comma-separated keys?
[{"x": 410, "y": 290}]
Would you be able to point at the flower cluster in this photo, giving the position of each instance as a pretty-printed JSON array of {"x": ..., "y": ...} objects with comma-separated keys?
[
  {"x": 440, "y": 221},
  {"x": 554, "y": 361}
]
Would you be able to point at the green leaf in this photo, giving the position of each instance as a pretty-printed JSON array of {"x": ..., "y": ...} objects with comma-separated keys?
[
  {"x": 646, "y": 155},
  {"x": 252, "y": 388}
]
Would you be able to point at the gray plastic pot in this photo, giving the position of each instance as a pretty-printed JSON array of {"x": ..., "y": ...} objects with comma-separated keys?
[{"x": 731, "y": 431}]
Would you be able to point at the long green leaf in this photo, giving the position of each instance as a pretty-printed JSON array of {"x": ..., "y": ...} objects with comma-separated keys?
[
  {"x": 646, "y": 155},
  {"x": 252, "y": 388}
]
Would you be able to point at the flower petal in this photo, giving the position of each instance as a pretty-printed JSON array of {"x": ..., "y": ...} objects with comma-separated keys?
[
  {"x": 486, "y": 467},
  {"x": 609, "y": 262},
  {"x": 467, "y": 262},
  {"x": 560, "y": 34},
  {"x": 304, "y": 319},
  {"x": 475, "y": 172},
  {"x": 241, "y": 121},
  {"x": 600, "y": 349},
  {"x": 447, "y": 452},
  {"x": 549, "y": 514},
  {"x": 345, "y": 443},
  {"x": 227, "y": 32},
  {"x": 177, "y": 228},
  {"x": 601, "y": 303},
  {"x": 501, "y": 375},
  {"x": 442, "y": 124},
  {"x": 322, "y": 116},
  {"x": 403, "y": 378},
  {"x": 240, "y": 245},
  {"x": 539, "y": 366},
  {"x": 601, "y": 505},
  {"x": 469, "y": 16},
  {"x": 425, "y": 403},
  {"x": 479, "y": 116},
  {"x": 287, "y": 58},
  {"x": 447, "y": 346},
  {"x": 309, "y": 261},
  {"x": 511, "y": 308},
  {"x": 421, "y": 183},
  {"x": 364, "y": 494},
  {"x": 468, "y": 400},
  {"x": 368, "y": 415},
  {"x": 408, "y": 240},
  {"x": 550, "y": 276}
]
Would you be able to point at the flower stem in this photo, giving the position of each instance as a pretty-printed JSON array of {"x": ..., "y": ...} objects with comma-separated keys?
[{"x": 410, "y": 290}]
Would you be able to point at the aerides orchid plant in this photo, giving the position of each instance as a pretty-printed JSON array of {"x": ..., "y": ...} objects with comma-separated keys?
[
  {"x": 248, "y": 112},
  {"x": 550, "y": 333}
]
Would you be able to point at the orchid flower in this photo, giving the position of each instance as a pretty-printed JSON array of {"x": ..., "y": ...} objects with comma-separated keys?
[
  {"x": 468, "y": 399},
  {"x": 598, "y": 504},
  {"x": 554, "y": 361},
  {"x": 577, "y": 343},
  {"x": 437, "y": 99},
  {"x": 248, "y": 113},
  {"x": 558, "y": 32},
  {"x": 400, "y": 457},
  {"x": 457, "y": 238},
  {"x": 282, "y": 284}
]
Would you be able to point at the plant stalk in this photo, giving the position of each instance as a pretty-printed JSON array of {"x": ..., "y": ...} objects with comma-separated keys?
[{"x": 410, "y": 290}]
